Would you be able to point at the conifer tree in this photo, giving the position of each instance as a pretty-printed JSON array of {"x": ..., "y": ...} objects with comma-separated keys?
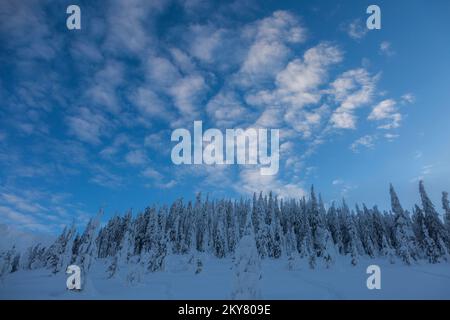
[
  {"x": 404, "y": 237},
  {"x": 247, "y": 267},
  {"x": 434, "y": 225},
  {"x": 446, "y": 207}
]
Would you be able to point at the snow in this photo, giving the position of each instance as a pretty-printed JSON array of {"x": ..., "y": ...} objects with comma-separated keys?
[
  {"x": 212, "y": 250},
  {"x": 341, "y": 281}
]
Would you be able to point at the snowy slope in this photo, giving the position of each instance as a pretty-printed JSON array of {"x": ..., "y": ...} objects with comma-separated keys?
[{"x": 419, "y": 281}]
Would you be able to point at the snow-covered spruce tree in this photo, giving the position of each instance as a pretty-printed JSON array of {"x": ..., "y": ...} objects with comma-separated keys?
[
  {"x": 363, "y": 230},
  {"x": 306, "y": 245},
  {"x": 219, "y": 234},
  {"x": 404, "y": 236},
  {"x": 200, "y": 212},
  {"x": 25, "y": 258},
  {"x": 109, "y": 237},
  {"x": 231, "y": 226},
  {"x": 66, "y": 249},
  {"x": 126, "y": 247},
  {"x": 15, "y": 263},
  {"x": 268, "y": 222},
  {"x": 317, "y": 227},
  {"x": 379, "y": 235},
  {"x": 209, "y": 225},
  {"x": 188, "y": 229},
  {"x": 243, "y": 209},
  {"x": 261, "y": 228},
  {"x": 129, "y": 263},
  {"x": 247, "y": 267},
  {"x": 290, "y": 243},
  {"x": 418, "y": 226},
  {"x": 333, "y": 226},
  {"x": 350, "y": 238},
  {"x": 36, "y": 257},
  {"x": 54, "y": 251},
  {"x": 368, "y": 231},
  {"x": 171, "y": 228},
  {"x": 158, "y": 251},
  {"x": 86, "y": 246},
  {"x": 9, "y": 261},
  {"x": 143, "y": 235},
  {"x": 294, "y": 228},
  {"x": 330, "y": 252},
  {"x": 275, "y": 232},
  {"x": 59, "y": 255},
  {"x": 434, "y": 225},
  {"x": 426, "y": 246},
  {"x": 446, "y": 207}
]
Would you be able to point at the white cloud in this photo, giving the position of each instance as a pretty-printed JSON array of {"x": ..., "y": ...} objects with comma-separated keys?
[
  {"x": 83, "y": 48},
  {"x": 226, "y": 109},
  {"x": 386, "y": 110},
  {"x": 26, "y": 29},
  {"x": 152, "y": 173},
  {"x": 157, "y": 141},
  {"x": 356, "y": 29},
  {"x": 297, "y": 86},
  {"x": 186, "y": 93},
  {"x": 386, "y": 48},
  {"x": 167, "y": 185},
  {"x": 366, "y": 141},
  {"x": 343, "y": 120},
  {"x": 164, "y": 79},
  {"x": 33, "y": 209},
  {"x": 383, "y": 110},
  {"x": 408, "y": 98},
  {"x": 352, "y": 89},
  {"x": 130, "y": 25},
  {"x": 103, "y": 91},
  {"x": 120, "y": 141},
  {"x": 252, "y": 181},
  {"x": 391, "y": 136},
  {"x": 206, "y": 41},
  {"x": 425, "y": 171},
  {"x": 306, "y": 122},
  {"x": 343, "y": 187},
  {"x": 136, "y": 157},
  {"x": 270, "y": 48},
  {"x": 103, "y": 177},
  {"x": 301, "y": 76},
  {"x": 396, "y": 119},
  {"x": 87, "y": 125},
  {"x": 20, "y": 203},
  {"x": 270, "y": 118},
  {"x": 18, "y": 217},
  {"x": 158, "y": 179},
  {"x": 182, "y": 60},
  {"x": 161, "y": 72},
  {"x": 21, "y": 239},
  {"x": 149, "y": 104}
]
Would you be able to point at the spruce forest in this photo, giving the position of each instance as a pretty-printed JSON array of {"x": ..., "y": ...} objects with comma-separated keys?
[{"x": 280, "y": 228}]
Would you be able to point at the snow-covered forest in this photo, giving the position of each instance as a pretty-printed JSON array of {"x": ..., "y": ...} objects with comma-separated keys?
[{"x": 247, "y": 231}]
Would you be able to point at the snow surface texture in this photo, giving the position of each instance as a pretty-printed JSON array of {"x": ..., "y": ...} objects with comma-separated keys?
[
  {"x": 398, "y": 281},
  {"x": 248, "y": 249}
]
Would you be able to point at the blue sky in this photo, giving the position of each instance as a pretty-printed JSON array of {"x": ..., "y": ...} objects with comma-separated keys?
[{"x": 86, "y": 115}]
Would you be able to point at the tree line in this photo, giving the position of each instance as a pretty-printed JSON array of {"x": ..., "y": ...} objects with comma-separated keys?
[{"x": 291, "y": 228}]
